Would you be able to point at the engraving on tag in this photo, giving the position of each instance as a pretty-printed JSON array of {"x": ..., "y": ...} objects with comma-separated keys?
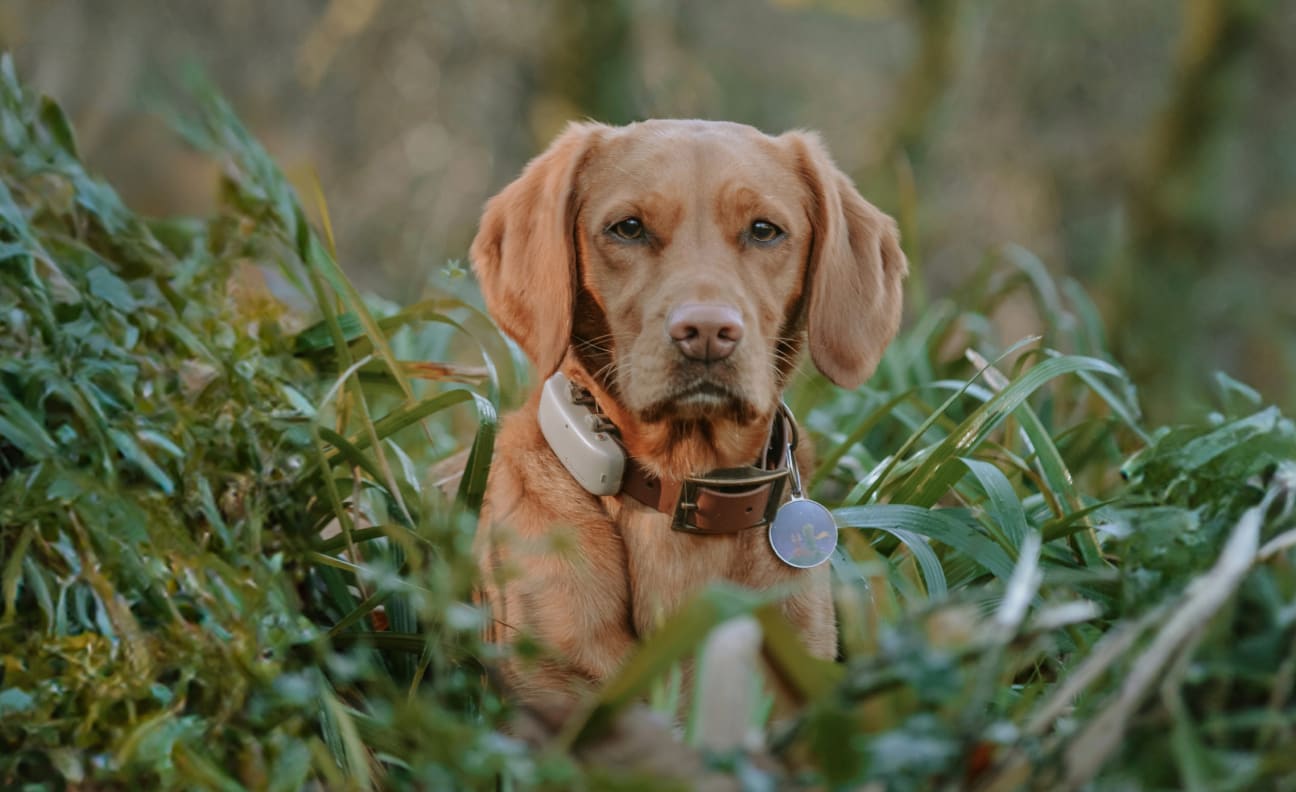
[{"x": 803, "y": 533}]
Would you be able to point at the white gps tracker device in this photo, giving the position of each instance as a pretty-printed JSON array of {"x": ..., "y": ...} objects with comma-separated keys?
[{"x": 593, "y": 457}]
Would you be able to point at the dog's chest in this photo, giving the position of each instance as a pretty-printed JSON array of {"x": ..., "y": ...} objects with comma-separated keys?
[{"x": 666, "y": 567}]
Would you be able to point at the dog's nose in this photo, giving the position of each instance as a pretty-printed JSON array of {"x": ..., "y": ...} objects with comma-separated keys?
[{"x": 705, "y": 331}]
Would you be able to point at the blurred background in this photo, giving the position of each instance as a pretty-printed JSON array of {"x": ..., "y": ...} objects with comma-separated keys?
[{"x": 1143, "y": 148}]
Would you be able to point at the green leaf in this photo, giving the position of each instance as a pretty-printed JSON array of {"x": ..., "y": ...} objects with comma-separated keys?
[
  {"x": 942, "y": 467},
  {"x": 343, "y": 737},
  {"x": 111, "y": 289},
  {"x": 1003, "y": 506},
  {"x": 935, "y": 524},
  {"x": 319, "y": 336},
  {"x": 368, "y": 606},
  {"x": 472, "y": 486},
  {"x": 1059, "y": 480},
  {"x": 407, "y": 643},
  {"x": 808, "y": 676},
  {"x": 681, "y": 635},
  {"x": 932, "y": 571},
  {"x": 18, "y": 428},
  {"x": 1202, "y": 450},
  {"x": 14, "y": 701},
  {"x": 869, "y": 487},
  {"x": 132, "y": 451},
  {"x": 13, "y": 573},
  {"x": 866, "y": 425},
  {"x": 57, "y": 125},
  {"x": 312, "y": 252},
  {"x": 200, "y": 772}
]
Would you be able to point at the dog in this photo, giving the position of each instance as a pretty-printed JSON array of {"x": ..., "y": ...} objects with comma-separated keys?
[{"x": 673, "y": 271}]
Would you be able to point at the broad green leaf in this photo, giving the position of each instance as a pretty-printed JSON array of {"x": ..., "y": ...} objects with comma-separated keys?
[
  {"x": 934, "y": 524},
  {"x": 1002, "y": 505},
  {"x": 1202, "y": 450},
  {"x": 932, "y": 572}
]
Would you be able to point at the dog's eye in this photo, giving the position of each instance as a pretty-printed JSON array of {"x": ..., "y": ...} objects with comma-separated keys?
[
  {"x": 764, "y": 231},
  {"x": 631, "y": 228}
]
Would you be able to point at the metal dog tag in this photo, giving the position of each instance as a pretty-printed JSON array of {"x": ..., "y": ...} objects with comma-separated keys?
[{"x": 803, "y": 533}]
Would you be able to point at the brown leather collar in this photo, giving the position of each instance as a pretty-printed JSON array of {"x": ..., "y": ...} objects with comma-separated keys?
[{"x": 726, "y": 500}]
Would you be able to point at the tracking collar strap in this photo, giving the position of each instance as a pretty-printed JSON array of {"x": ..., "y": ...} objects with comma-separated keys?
[{"x": 727, "y": 500}]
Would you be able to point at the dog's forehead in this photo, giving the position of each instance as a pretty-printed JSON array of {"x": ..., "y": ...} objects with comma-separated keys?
[
  {"x": 704, "y": 154},
  {"x": 662, "y": 143}
]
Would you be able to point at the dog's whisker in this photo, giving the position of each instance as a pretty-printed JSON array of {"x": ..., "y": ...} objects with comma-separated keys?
[
  {"x": 609, "y": 371},
  {"x": 607, "y": 343},
  {"x": 597, "y": 339}
]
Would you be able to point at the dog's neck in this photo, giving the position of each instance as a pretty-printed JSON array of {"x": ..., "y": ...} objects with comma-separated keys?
[{"x": 675, "y": 449}]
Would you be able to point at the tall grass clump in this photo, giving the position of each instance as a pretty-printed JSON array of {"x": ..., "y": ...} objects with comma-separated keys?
[
  {"x": 219, "y": 569},
  {"x": 228, "y": 561}
]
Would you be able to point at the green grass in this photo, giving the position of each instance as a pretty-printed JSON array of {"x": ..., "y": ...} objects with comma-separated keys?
[{"x": 223, "y": 563}]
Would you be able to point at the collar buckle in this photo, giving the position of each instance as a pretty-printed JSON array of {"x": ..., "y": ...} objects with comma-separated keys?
[{"x": 728, "y": 500}]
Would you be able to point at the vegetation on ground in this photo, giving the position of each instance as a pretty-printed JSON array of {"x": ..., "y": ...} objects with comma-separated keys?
[{"x": 224, "y": 563}]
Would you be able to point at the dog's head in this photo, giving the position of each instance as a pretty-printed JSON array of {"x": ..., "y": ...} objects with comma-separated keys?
[{"x": 686, "y": 263}]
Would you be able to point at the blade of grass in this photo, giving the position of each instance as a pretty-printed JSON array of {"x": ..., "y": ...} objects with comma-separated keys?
[
  {"x": 864, "y": 493},
  {"x": 872, "y": 419},
  {"x": 680, "y": 636},
  {"x": 472, "y": 486},
  {"x": 13, "y": 572},
  {"x": 934, "y": 524},
  {"x": 810, "y": 678},
  {"x": 342, "y": 736},
  {"x": 942, "y": 468},
  {"x": 1003, "y": 505},
  {"x": 366, "y": 607}
]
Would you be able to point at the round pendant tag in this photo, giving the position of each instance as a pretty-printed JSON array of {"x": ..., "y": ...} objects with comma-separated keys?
[{"x": 803, "y": 533}]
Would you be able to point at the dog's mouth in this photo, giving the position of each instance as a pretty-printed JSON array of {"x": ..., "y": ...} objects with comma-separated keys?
[
  {"x": 705, "y": 392},
  {"x": 701, "y": 399}
]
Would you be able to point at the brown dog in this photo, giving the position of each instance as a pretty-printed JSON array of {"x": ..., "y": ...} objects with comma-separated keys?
[{"x": 675, "y": 270}]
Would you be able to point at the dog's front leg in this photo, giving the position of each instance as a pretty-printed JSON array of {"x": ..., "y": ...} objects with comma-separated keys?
[
  {"x": 558, "y": 593},
  {"x": 810, "y": 609}
]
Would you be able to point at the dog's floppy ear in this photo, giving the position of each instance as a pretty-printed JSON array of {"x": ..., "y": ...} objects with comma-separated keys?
[
  {"x": 523, "y": 253},
  {"x": 856, "y": 269}
]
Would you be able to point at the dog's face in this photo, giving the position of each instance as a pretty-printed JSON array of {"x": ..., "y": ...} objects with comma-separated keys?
[
  {"x": 694, "y": 239},
  {"x": 686, "y": 262}
]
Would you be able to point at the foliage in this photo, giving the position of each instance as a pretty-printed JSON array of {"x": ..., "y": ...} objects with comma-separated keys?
[
  {"x": 185, "y": 500},
  {"x": 223, "y": 565}
]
